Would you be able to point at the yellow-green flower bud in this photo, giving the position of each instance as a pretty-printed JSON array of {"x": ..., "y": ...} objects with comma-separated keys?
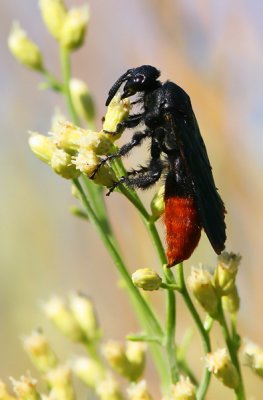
[
  {"x": 88, "y": 371},
  {"x": 157, "y": 203},
  {"x": 109, "y": 389},
  {"x": 73, "y": 31},
  {"x": 25, "y": 388},
  {"x": 231, "y": 302},
  {"x": 57, "y": 311},
  {"x": 114, "y": 352},
  {"x": 54, "y": 13},
  {"x": 183, "y": 389},
  {"x": 139, "y": 391},
  {"x": 226, "y": 271},
  {"x": 83, "y": 310},
  {"x": 23, "y": 49},
  {"x": 62, "y": 164},
  {"x": 82, "y": 100},
  {"x": 98, "y": 142},
  {"x": 254, "y": 357},
  {"x": 66, "y": 136},
  {"x": 39, "y": 351},
  {"x": 59, "y": 379},
  {"x": 4, "y": 395},
  {"x": 221, "y": 366},
  {"x": 117, "y": 112},
  {"x": 146, "y": 279},
  {"x": 135, "y": 353},
  {"x": 200, "y": 283},
  {"x": 42, "y": 146}
]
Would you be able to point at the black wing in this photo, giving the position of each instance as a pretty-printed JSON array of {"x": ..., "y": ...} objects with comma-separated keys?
[{"x": 193, "y": 151}]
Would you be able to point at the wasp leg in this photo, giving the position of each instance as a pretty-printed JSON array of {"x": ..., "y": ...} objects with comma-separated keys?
[
  {"x": 137, "y": 138},
  {"x": 143, "y": 178},
  {"x": 131, "y": 122}
]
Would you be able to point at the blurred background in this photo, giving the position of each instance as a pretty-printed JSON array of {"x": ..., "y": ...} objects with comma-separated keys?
[{"x": 213, "y": 49}]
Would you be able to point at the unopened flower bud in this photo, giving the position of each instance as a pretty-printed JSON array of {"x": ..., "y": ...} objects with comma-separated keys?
[
  {"x": 200, "y": 283},
  {"x": 157, "y": 203},
  {"x": 61, "y": 163},
  {"x": 61, "y": 316},
  {"x": 114, "y": 352},
  {"x": 25, "y": 388},
  {"x": 109, "y": 389},
  {"x": 82, "y": 100},
  {"x": 231, "y": 301},
  {"x": 135, "y": 353},
  {"x": 39, "y": 351},
  {"x": 66, "y": 136},
  {"x": 42, "y": 146},
  {"x": 83, "y": 310},
  {"x": 54, "y": 14},
  {"x": 226, "y": 271},
  {"x": 221, "y": 366},
  {"x": 139, "y": 391},
  {"x": 117, "y": 112},
  {"x": 254, "y": 357},
  {"x": 73, "y": 31},
  {"x": 23, "y": 49},
  {"x": 4, "y": 395},
  {"x": 183, "y": 389},
  {"x": 146, "y": 279},
  {"x": 98, "y": 142},
  {"x": 59, "y": 379},
  {"x": 88, "y": 370}
]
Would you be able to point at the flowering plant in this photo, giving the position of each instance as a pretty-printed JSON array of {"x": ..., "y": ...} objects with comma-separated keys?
[{"x": 73, "y": 149}]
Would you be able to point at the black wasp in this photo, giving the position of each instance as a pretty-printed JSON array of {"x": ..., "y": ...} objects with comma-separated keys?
[{"x": 178, "y": 152}]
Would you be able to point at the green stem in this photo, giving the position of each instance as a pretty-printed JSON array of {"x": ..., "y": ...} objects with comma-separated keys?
[
  {"x": 168, "y": 278},
  {"x": 66, "y": 73},
  {"x": 202, "y": 389},
  {"x": 52, "y": 82},
  {"x": 142, "y": 308},
  {"x": 232, "y": 349}
]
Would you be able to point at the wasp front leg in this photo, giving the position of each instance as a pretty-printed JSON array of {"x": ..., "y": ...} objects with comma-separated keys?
[
  {"x": 131, "y": 122},
  {"x": 137, "y": 139}
]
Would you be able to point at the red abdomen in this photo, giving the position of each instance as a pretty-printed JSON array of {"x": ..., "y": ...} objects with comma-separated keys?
[{"x": 183, "y": 228}]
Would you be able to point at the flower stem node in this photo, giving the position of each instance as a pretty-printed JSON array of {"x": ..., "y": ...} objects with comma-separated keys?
[
  {"x": 83, "y": 310},
  {"x": 157, "y": 203},
  {"x": 59, "y": 379},
  {"x": 25, "y": 388},
  {"x": 226, "y": 271},
  {"x": 24, "y": 50},
  {"x": 146, "y": 279},
  {"x": 88, "y": 371},
  {"x": 221, "y": 366},
  {"x": 139, "y": 391},
  {"x": 42, "y": 146},
  {"x": 57, "y": 311},
  {"x": 39, "y": 351},
  {"x": 183, "y": 389},
  {"x": 83, "y": 101},
  {"x": 254, "y": 357},
  {"x": 117, "y": 112},
  {"x": 200, "y": 283},
  {"x": 54, "y": 13}
]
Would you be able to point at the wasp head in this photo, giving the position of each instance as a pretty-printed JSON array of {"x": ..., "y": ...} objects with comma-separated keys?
[{"x": 139, "y": 79}]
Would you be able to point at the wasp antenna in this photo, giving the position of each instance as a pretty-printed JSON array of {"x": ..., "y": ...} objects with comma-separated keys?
[{"x": 116, "y": 86}]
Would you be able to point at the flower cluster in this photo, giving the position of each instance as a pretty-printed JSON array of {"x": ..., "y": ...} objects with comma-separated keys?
[{"x": 71, "y": 150}]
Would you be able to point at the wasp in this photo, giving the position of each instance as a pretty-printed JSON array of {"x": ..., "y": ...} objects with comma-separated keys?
[{"x": 177, "y": 152}]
